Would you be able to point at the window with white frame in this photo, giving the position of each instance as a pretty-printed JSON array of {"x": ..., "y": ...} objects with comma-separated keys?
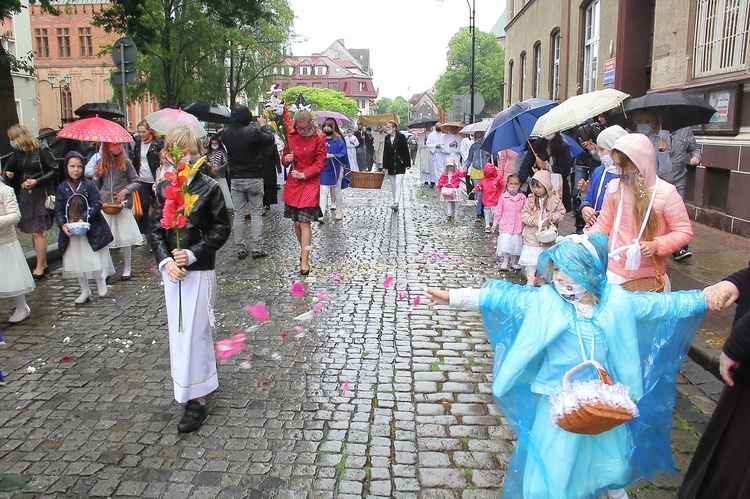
[
  {"x": 590, "y": 46},
  {"x": 522, "y": 89},
  {"x": 321, "y": 70},
  {"x": 362, "y": 86},
  {"x": 537, "y": 69},
  {"x": 721, "y": 36},
  {"x": 555, "y": 63},
  {"x": 305, "y": 70}
]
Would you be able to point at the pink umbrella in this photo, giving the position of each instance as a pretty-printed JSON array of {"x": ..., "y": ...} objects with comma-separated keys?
[
  {"x": 321, "y": 116},
  {"x": 165, "y": 120},
  {"x": 95, "y": 130}
]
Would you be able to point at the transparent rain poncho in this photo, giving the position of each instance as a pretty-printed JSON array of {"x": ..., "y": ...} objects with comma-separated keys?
[{"x": 639, "y": 338}]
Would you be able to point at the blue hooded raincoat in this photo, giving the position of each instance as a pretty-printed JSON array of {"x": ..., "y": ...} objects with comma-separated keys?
[{"x": 640, "y": 338}]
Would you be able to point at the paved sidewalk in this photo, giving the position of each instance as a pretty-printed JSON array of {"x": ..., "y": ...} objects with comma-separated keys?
[{"x": 377, "y": 397}]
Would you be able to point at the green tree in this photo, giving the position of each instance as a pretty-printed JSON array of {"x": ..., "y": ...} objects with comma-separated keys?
[
  {"x": 385, "y": 105},
  {"x": 323, "y": 99},
  {"x": 181, "y": 42},
  {"x": 489, "y": 71},
  {"x": 399, "y": 105},
  {"x": 9, "y": 63}
]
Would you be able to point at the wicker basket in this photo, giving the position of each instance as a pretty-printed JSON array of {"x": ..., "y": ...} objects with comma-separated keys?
[
  {"x": 366, "y": 180},
  {"x": 111, "y": 208},
  {"x": 651, "y": 283},
  {"x": 591, "y": 407}
]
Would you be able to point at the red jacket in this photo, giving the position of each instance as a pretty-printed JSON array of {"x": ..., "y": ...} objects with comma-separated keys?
[{"x": 309, "y": 158}]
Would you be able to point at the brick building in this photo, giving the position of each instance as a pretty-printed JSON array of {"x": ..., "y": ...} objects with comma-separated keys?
[
  {"x": 559, "y": 48},
  {"x": 65, "y": 48},
  {"x": 336, "y": 68}
]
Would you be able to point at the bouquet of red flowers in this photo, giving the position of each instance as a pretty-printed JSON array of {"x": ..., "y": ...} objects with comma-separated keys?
[{"x": 179, "y": 203}]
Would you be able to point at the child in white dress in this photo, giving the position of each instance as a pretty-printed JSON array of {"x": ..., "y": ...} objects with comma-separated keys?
[
  {"x": 17, "y": 280},
  {"x": 85, "y": 255}
]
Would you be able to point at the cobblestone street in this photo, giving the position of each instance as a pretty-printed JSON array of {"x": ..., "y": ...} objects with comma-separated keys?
[{"x": 376, "y": 397}]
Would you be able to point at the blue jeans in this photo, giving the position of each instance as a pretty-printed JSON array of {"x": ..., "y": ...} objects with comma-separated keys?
[{"x": 478, "y": 197}]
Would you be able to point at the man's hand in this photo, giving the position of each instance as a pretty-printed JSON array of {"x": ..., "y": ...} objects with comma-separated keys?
[
  {"x": 726, "y": 366},
  {"x": 694, "y": 161},
  {"x": 261, "y": 121}
]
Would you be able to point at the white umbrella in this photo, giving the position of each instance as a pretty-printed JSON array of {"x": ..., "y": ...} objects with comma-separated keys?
[
  {"x": 165, "y": 120},
  {"x": 480, "y": 126},
  {"x": 577, "y": 109}
]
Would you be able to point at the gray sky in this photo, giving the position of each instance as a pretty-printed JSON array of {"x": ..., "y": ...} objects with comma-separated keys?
[{"x": 408, "y": 39}]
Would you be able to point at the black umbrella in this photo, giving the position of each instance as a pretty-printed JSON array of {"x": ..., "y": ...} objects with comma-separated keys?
[
  {"x": 301, "y": 101},
  {"x": 101, "y": 109},
  {"x": 675, "y": 109},
  {"x": 422, "y": 121},
  {"x": 209, "y": 111}
]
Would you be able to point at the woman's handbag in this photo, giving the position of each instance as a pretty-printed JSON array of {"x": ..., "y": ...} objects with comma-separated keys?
[
  {"x": 49, "y": 202},
  {"x": 652, "y": 283},
  {"x": 591, "y": 407}
]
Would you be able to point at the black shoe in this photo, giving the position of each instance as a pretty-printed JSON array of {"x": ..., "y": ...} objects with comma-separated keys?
[
  {"x": 681, "y": 254},
  {"x": 304, "y": 272},
  {"x": 194, "y": 417},
  {"x": 241, "y": 254},
  {"x": 259, "y": 254},
  {"x": 125, "y": 277}
]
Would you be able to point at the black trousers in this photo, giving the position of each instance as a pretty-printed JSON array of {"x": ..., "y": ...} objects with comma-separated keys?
[{"x": 146, "y": 192}]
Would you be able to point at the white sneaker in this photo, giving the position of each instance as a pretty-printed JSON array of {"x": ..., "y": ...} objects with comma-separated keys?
[
  {"x": 20, "y": 314},
  {"x": 338, "y": 215},
  {"x": 515, "y": 266},
  {"x": 504, "y": 266},
  {"x": 487, "y": 229}
]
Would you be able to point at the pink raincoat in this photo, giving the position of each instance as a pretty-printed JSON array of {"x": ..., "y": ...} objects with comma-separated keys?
[
  {"x": 530, "y": 212},
  {"x": 675, "y": 229},
  {"x": 508, "y": 213}
]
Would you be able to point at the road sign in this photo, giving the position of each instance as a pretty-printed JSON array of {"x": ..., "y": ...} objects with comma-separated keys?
[
  {"x": 124, "y": 51},
  {"x": 131, "y": 78},
  {"x": 466, "y": 103},
  {"x": 609, "y": 71}
]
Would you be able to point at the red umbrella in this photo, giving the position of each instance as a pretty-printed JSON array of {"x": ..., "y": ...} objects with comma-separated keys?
[{"x": 95, "y": 130}]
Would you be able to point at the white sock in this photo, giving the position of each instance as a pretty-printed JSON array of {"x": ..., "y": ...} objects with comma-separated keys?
[
  {"x": 85, "y": 290},
  {"x": 127, "y": 257},
  {"x": 20, "y": 302},
  {"x": 101, "y": 285}
]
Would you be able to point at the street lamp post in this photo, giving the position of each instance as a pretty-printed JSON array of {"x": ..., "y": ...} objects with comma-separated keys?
[
  {"x": 472, "y": 27},
  {"x": 62, "y": 87}
]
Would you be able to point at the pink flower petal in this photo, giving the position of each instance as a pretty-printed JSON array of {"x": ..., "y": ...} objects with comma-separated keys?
[
  {"x": 257, "y": 311},
  {"x": 299, "y": 329},
  {"x": 318, "y": 307},
  {"x": 402, "y": 295},
  {"x": 298, "y": 289},
  {"x": 284, "y": 335},
  {"x": 416, "y": 300},
  {"x": 226, "y": 349},
  {"x": 321, "y": 296},
  {"x": 345, "y": 388},
  {"x": 336, "y": 277},
  {"x": 286, "y": 259},
  {"x": 387, "y": 282}
]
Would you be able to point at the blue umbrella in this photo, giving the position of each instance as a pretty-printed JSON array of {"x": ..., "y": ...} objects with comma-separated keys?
[
  {"x": 575, "y": 147},
  {"x": 511, "y": 127}
]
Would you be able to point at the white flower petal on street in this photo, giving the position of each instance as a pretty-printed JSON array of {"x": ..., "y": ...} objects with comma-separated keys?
[
  {"x": 305, "y": 317},
  {"x": 66, "y": 339}
]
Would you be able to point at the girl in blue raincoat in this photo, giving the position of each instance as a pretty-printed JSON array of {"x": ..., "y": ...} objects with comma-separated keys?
[
  {"x": 539, "y": 334},
  {"x": 335, "y": 175}
]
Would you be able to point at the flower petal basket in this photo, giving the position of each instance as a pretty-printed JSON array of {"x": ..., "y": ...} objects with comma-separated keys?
[
  {"x": 366, "y": 180},
  {"x": 591, "y": 407}
]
